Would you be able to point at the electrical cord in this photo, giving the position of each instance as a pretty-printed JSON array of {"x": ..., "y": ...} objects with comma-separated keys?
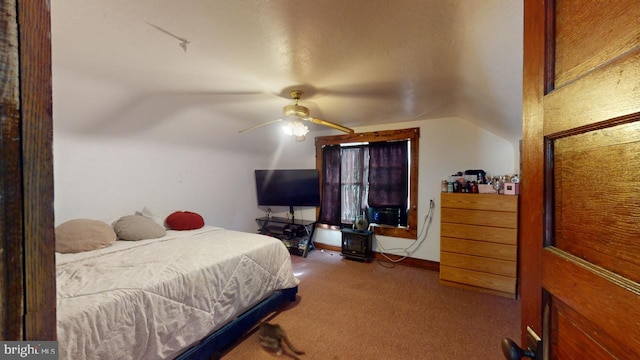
[{"x": 408, "y": 251}]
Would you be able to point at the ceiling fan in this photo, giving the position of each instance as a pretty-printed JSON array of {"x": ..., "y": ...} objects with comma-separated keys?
[{"x": 295, "y": 115}]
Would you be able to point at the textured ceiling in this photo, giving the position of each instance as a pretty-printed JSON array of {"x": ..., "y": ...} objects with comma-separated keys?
[{"x": 358, "y": 62}]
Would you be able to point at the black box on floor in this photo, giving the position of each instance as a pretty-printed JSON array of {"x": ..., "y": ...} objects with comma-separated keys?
[{"x": 356, "y": 244}]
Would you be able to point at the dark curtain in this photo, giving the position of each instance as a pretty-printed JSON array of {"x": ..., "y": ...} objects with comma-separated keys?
[
  {"x": 388, "y": 174},
  {"x": 330, "y": 207}
]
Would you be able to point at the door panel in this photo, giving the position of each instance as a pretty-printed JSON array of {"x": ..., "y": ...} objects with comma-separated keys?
[
  {"x": 592, "y": 189},
  {"x": 576, "y": 342},
  {"x": 610, "y": 92},
  {"x": 613, "y": 29},
  {"x": 604, "y": 305},
  {"x": 582, "y": 128}
]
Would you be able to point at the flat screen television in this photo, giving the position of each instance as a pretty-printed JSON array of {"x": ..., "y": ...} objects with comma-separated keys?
[{"x": 297, "y": 187}]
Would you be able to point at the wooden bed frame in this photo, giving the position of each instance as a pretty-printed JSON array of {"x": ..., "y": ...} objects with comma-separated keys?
[{"x": 215, "y": 344}]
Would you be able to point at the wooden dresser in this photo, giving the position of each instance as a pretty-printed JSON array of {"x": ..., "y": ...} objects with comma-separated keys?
[{"x": 479, "y": 242}]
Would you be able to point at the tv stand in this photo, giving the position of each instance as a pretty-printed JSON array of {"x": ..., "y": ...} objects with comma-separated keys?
[
  {"x": 293, "y": 214},
  {"x": 296, "y": 235}
]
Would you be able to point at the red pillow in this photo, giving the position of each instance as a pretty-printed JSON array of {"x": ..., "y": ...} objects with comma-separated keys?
[{"x": 184, "y": 220}]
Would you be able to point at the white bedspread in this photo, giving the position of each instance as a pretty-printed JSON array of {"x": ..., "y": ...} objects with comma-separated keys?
[{"x": 152, "y": 299}]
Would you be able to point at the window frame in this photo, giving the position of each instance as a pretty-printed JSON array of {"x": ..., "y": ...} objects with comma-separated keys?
[{"x": 411, "y": 134}]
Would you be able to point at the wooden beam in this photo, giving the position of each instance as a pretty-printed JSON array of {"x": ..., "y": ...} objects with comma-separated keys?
[
  {"x": 11, "y": 230},
  {"x": 37, "y": 158}
]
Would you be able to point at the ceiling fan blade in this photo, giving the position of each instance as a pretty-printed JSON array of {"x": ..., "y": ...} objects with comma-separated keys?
[
  {"x": 259, "y": 125},
  {"x": 330, "y": 124}
]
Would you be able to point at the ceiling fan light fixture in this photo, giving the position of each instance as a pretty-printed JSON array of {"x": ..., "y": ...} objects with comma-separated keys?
[
  {"x": 297, "y": 129},
  {"x": 296, "y": 111},
  {"x": 295, "y": 114}
]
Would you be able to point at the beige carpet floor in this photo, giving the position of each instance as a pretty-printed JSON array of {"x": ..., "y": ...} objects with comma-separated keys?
[{"x": 351, "y": 310}]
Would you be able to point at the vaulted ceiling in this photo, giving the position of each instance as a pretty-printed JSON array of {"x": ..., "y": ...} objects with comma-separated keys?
[{"x": 358, "y": 62}]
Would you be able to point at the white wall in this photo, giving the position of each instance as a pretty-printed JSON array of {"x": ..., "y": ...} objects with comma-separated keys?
[
  {"x": 105, "y": 178},
  {"x": 117, "y": 151}
]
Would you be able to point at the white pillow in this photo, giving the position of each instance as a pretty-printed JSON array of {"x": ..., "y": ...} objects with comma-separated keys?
[{"x": 158, "y": 216}]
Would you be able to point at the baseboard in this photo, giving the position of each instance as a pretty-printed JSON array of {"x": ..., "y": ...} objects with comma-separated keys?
[
  {"x": 409, "y": 261},
  {"x": 327, "y": 247}
]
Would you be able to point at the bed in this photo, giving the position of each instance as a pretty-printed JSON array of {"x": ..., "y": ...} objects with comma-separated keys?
[{"x": 185, "y": 295}]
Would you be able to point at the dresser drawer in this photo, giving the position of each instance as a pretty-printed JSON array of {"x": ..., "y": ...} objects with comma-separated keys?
[
  {"x": 480, "y": 202},
  {"x": 480, "y": 233},
  {"x": 480, "y": 217},
  {"x": 480, "y": 264},
  {"x": 479, "y": 248},
  {"x": 503, "y": 284}
]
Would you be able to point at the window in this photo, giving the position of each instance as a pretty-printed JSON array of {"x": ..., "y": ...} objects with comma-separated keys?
[
  {"x": 350, "y": 189},
  {"x": 372, "y": 179},
  {"x": 354, "y": 172}
]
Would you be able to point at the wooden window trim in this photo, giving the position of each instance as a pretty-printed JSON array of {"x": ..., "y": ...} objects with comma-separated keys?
[{"x": 412, "y": 134}]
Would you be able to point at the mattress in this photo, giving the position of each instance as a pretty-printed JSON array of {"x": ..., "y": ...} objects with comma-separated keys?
[{"x": 152, "y": 299}]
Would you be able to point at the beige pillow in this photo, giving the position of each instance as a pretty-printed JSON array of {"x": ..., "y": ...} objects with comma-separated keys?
[
  {"x": 138, "y": 227},
  {"x": 83, "y": 235}
]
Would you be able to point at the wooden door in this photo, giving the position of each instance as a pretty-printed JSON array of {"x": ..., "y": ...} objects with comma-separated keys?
[{"x": 580, "y": 198}]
